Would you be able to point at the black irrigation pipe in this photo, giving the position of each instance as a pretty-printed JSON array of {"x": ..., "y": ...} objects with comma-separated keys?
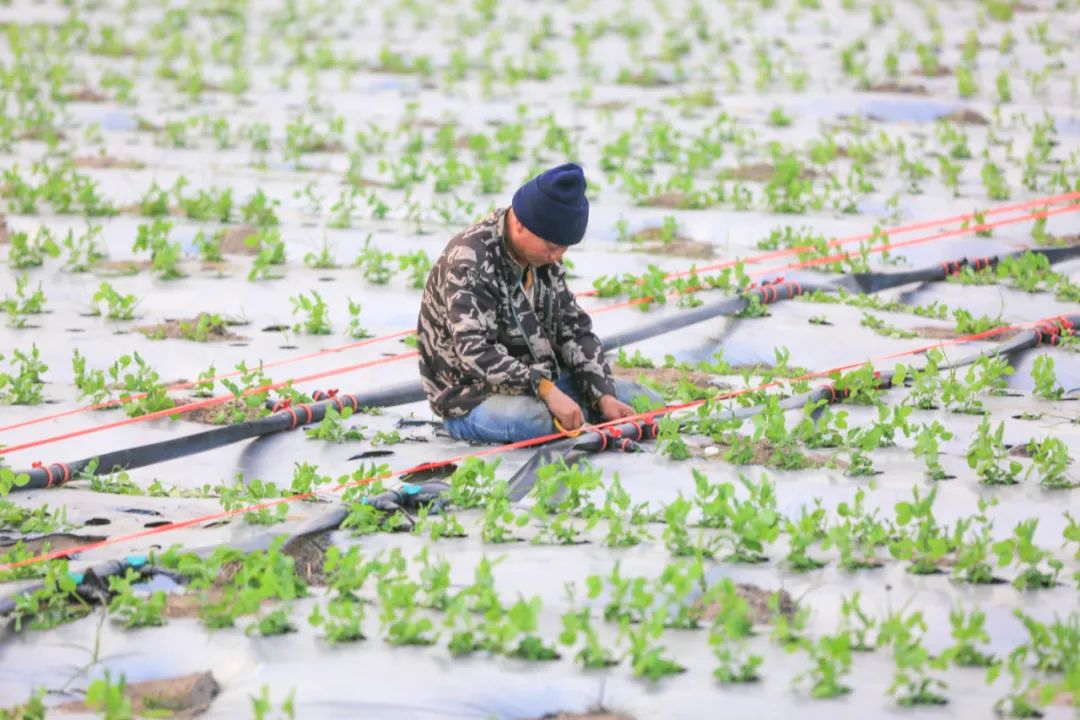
[
  {"x": 570, "y": 450},
  {"x": 48, "y": 475},
  {"x": 93, "y": 582}
]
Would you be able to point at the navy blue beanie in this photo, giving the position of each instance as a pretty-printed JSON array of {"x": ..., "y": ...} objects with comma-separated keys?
[{"x": 553, "y": 205}]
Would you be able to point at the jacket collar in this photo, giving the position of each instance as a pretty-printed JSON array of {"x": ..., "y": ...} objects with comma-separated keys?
[{"x": 501, "y": 238}]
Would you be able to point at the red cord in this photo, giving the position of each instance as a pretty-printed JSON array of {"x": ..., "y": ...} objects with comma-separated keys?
[{"x": 497, "y": 449}]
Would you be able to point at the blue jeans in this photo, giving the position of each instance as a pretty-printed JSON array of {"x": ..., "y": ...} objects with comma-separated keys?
[{"x": 510, "y": 418}]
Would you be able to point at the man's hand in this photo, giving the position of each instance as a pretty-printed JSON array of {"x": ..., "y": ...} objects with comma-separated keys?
[
  {"x": 613, "y": 409},
  {"x": 565, "y": 410}
]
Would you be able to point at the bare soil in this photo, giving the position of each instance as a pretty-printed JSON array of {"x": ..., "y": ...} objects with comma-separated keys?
[
  {"x": 761, "y": 172},
  {"x": 899, "y": 88},
  {"x": 232, "y": 240},
  {"x": 967, "y": 117},
  {"x": 762, "y": 455},
  {"x": 185, "y": 696},
  {"x": 650, "y": 240},
  {"x": 87, "y": 95},
  {"x": 942, "y": 71},
  {"x": 758, "y": 599},
  {"x": 309, "y": 552},
  {"x": 173, "y": 330},
  {"x": 665, "y": 376},
  {"x": 947, "y": 333},
  {"x": 107, "y": 161},
  {"x": 671, "y": 200},
  {"x": 206, "y": 415},
  {"x": 56, "y": 542},
  {"x": 5, "y": 233}
]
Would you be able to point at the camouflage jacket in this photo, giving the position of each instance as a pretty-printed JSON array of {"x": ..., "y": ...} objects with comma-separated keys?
[{"x": 470, "y": 345}]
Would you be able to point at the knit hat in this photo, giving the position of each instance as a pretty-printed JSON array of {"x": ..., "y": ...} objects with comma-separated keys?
[{"x": 553, "y": 205}]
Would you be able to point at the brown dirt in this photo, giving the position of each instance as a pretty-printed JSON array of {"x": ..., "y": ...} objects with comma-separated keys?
[
  {"x": 206, "y": 415},
  {"x": 186, "y": 605},
  {"x": 672, "y": 200},
  {"x": 232, "y": 240},
  {"x": 309, "y": 552},
  {"x": 87, "y": 95},
  {"x": 760, "y": 172},
  {"x": 967, "y": 117},
  {"x": 947, "y": 333},
  {"x": 758, "y": 599},
  {"x": 611, "y": 105},
  {"x": 665, "y": 376},
  {"x": 892, "y": 86},
  {"x": 123, "y": 267},
  {"x": 763, "y": 452},
  {"x": 171, "y": 330},
  {"x": 185, "y": 696},
  {"x": 1051, "y": 240},
  {"x": 597, "y": 714},
  {"x": 942, "y": 71},
  {"x": 55, "y": 543},
  {"x": 5, "y": 233},
  {"x": 107, "y": 161},
  {"x": 650, "y": 240}
]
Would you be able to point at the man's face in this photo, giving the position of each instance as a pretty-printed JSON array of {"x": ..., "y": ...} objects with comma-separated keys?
[{"x": 532, "y": 248}]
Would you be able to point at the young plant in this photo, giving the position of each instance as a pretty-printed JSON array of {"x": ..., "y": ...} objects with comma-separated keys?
[
  {"x": 967, "y": 630},
  {"x": 1021, "y": 549},
  {"x": 355, "y": 329},
  {"x": 23, "y": 385},
  {"x": 1046, "y": 384},
  {"x": 117, "y": 306},
  {"x": 728, "y": 636},
  {"x": 830, "y": 657},
  {"x": 989, "y": 458},
  {"x": 913, "y": 682},
  {"x": 164, "y": 255},
  {"x": 316, "y": 320}
]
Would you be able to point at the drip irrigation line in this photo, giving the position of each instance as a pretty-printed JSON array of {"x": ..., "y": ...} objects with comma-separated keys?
[
  {"x": 753, "y": 259},
  {"x": 889, "y": 231},
  {"x": 1046, "y": 332},
  {"x": 570, "y": 450},
  {"x": 45, "y": 475}
]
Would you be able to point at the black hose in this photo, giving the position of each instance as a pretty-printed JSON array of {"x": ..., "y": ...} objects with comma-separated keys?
[{"x": 55, "y": 474}]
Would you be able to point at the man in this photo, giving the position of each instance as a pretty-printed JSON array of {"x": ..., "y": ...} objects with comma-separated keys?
[{"x": 505, "y": 349}]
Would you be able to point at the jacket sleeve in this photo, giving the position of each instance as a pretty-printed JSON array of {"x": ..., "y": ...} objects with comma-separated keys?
[
  {"x": 580, "y": 348},
  {"x": 471, "y": 311}
]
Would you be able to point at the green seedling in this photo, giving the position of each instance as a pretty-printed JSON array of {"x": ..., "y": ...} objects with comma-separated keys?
[
  {"x": 830, "y": 657},
  {"x": 989, "y": 458},
  {"x": 133, "y": 609},
  {"x": 1046, "y": 384},
  {"x": 972, "y": 538},
  {"x": 110, "y": 698},
  {"x": 968, "y": 629},
  {"x": 23, "y": 303},
  {"x": 84, "y": 251},
  {"x": 1022, "y": 550},
  {"x": 26, "y": 252},
  {"x": 1050, "y": 460},
  {"x": 921, "y": 541},
  {"x": 117, "y": 306},
  {"x": 857, "y": 623},
  {"x": 355, "y": 329},
  {"x": 314, "y": 308},
  {"x": 913, "y": 684},
  {"x": 375, "y": 265},
  {"x": 728, "y": 636},
  {"x": 332, "y": 427},
  {"x": 23, "y": 385},
  {"x": 164, "y": 255}
]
